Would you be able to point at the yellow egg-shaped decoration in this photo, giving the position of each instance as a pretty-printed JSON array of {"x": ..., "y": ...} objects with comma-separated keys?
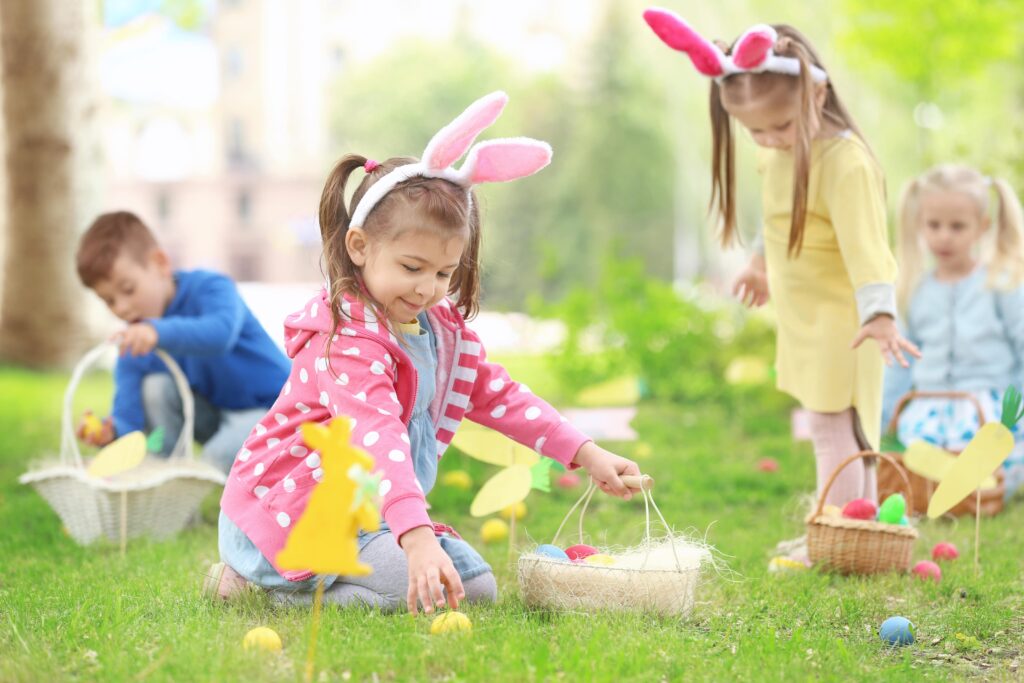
[
  {"x": 494, "y": 530},
  {"x": 457, "y": 479},
  {"x": 599, "y": 559},
  {"x": 450, "y": 622},
  {"x": 519, "y": 509},
  {"x": 831, "y": 511},
  {"x": 262, "y": 638}
]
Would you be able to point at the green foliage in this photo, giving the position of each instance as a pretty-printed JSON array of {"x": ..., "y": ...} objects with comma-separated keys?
[{"x": 678, "y": 344}]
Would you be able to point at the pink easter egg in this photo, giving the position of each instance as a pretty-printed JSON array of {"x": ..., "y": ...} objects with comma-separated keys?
[
  {"x": 861, "y": 508},
  {"x": 768, "y": 465},
  {"x": 579, "y": 552},
  {"x": 945, "y": 551},
  {"x": 568, "y": 480},
  {"x": 926, "y": 569}
]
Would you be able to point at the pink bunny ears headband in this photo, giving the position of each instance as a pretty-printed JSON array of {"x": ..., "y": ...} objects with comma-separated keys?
[
  {"x": 489, "y": 162},
  {"x": 754, "y": 51}
]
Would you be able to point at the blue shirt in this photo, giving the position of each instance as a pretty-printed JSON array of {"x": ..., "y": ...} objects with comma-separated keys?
[
  {"x": 223, "y": 350},
  {"x": 971, "y": 338}
]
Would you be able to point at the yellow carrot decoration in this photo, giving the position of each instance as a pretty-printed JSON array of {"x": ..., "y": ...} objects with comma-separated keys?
[{"x": 990, "y": 446}]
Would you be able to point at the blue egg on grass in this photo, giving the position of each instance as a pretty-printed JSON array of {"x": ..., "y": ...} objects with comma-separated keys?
[
  {"x": 897, "y": 631},
  {"x": 552, "y": 551}
]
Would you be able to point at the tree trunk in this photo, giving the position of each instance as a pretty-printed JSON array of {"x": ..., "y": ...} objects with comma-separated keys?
[{"x": 47, "y": 112}]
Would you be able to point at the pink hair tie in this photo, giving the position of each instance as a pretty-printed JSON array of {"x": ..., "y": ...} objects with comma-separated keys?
[{"x": 370, "y": 165}]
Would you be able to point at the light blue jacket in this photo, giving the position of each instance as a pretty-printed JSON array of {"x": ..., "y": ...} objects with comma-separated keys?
[{"x": 971, "y": 339}]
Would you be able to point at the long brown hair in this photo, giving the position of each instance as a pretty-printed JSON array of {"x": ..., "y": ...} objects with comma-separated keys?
[
  {"x": 1004, "y": 256},
  {"x": 791, "y": 43},
  {"x": 449, "y": 209}
]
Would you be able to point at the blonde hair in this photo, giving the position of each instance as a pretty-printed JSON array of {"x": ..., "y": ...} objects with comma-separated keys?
[
  {"x": 791, "y": 43},
  {"x": 1004, "y": 258}
]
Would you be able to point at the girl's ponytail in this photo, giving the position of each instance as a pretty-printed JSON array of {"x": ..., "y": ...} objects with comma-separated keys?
[
  {"x": 908, "y": 251},
  {"x": 1006, "y": 267},
  {"x": 802, "y": 143},
  {"x": 723, "y": 168}
]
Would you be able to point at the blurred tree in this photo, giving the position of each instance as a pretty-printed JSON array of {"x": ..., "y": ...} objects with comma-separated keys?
[{"x": 46, "y": 108}]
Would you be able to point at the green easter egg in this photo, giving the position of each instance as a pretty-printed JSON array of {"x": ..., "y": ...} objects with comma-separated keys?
[{"x": 892, "y": 509}]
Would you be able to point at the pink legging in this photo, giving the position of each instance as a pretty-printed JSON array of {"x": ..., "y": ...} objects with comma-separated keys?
[{"x": 835, "y": 437}]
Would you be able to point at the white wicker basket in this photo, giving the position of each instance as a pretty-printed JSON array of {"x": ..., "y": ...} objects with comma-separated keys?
[
  {"x": 660, "y": 575},
  {"x": 155, "y": 499}
]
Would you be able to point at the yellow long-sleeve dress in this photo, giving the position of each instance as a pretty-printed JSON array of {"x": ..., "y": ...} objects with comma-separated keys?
[{"x": 845, "y": 247}]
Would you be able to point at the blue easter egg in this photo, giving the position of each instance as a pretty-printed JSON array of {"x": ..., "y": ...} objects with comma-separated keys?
[
  {"x": 897, "y": 631},
  {"x": 552, "y": 551},
  {"x": 904, "y": 521}
]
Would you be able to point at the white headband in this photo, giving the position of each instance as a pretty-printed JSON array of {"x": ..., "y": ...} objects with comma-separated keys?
[
  {"x": 492, "y": 161},
  {"x": 754, "y": 52}
]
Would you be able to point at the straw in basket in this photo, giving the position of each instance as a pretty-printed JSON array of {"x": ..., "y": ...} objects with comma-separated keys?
[
  {"x": 858, "y": 546},
  {"x": 660, "y": 575},
  {"x": 990, "y": 499},
  {"x": 156, "y": 498}
]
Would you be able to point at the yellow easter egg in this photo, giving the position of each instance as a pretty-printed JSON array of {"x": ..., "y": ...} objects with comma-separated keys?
[
  {"x": 519, "y": 508},
  {"x": 262, "y": 638},
  {"x": 450, "y": 622},
  {"x": 831, "y": 511},
  {"x": 92, "y": 426},
  {"x": 494, "y": 530},
  {"x": 599, "y": 559},
  {"x": 457, "y": 479}
]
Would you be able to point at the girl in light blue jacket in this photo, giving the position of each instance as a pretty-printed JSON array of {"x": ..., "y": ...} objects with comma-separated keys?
[{"x": 965, "y": 313}]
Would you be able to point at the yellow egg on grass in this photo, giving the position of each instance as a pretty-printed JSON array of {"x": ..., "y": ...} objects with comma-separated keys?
[
  {"x": 599, "y": 559},
  {"x": 494, "y": 530},
  {"x": 457, "y": 479},
  {"x": 519, "y": 508},
  {"x": 262, "y": 638},
  {"x": 450, "y": 622}
]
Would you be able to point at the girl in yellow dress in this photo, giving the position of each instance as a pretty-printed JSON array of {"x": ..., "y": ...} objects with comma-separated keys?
[{"x": 826, "y": 258}]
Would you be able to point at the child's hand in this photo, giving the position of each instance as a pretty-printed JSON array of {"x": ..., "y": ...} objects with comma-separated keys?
[
  {"x": 95, "y": 432},
  {"x": 429, "y": 569},
  {"x": 882, "y": 328},
  {"x": 605, "y": 468},
  {"x": 751, "y": 287},
  {"x": 137, "y": 339}
]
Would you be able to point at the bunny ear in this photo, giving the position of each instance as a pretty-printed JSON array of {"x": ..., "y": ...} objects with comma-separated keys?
[
  {"x": 753, "y": 46},
  {"x": 505, "y": 159},
  {"x": 678, "y": 35},
  {"x": 452, "y": 141}
]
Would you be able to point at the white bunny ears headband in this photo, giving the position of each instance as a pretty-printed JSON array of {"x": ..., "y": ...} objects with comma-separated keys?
[
  {"x": 754, "y": 52},
  {"x": 489, "y": 162}
]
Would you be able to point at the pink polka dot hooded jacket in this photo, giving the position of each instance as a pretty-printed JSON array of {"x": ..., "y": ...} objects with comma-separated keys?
[{"x": 364, "y": 373}]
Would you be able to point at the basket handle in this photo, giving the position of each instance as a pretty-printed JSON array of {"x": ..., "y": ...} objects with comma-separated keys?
[
  {"x": 69, "y": 451},
  {"x": 867, "y": 454},
  {"x": 912, "y": 395}
]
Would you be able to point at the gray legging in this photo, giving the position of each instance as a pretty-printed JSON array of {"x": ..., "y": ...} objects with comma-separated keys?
[{"x": 386, "y": 588}]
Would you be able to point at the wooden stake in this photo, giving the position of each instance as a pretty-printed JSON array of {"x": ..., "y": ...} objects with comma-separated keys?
[
  {"x": 124, "y": 521},
  {"x": 977, "y": 528},
  {"x": 314, "y": 630}
]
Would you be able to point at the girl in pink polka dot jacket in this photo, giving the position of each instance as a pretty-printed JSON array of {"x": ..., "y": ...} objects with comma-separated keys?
[{"x": 384, "y": 345}]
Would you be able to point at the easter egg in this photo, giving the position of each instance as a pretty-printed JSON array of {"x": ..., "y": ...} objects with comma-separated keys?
[
  {"x": 945, "y": 551},
  {"x": 927, "y": 570},
  {"x": 450, "y": 622},
  {"x": 897, "y": 631},
  {"x": 551, "y": 551},
  {"x": 861, "y": 508},
  {"x": 262, "y": 638},
  {"x": 768, "y": 465},
  {"x": 92, "y": 426},
  {"x": 519, "y": 509},
  {"x": 783, "y": 564},
  {"x": 831, "y": 511},
  {"x": 494, "y": 530},
  {"x": 892, "y": 509},
  {"x": 568, "y": 480},
  {"x": 580, "y": 551},
  {"x": 904, "y": 521},
  {"x": 599, "y": 559},
  {"x": 457, "y": 479}
]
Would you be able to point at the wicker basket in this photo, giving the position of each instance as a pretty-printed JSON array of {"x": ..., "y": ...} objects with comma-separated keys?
[
  {"x": 888, "y": 477},
  {"x": 155, "y": 499},
  {"x": 660, "y": 576},
  {"x": 857, "y": 546}
]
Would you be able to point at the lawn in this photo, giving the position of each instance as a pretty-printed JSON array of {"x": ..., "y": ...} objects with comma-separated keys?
[{"x": 73, "y": 613}]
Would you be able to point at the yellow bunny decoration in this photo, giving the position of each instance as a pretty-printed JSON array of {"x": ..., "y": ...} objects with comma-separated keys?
[{"x": 324, "y": 539}]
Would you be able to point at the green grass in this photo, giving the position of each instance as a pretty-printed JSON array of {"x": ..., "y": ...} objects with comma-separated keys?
[{"x": 72, "y": 613}]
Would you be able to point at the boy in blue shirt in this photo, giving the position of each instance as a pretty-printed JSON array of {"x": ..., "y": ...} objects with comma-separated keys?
[{"x": 233, "y": 367}]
